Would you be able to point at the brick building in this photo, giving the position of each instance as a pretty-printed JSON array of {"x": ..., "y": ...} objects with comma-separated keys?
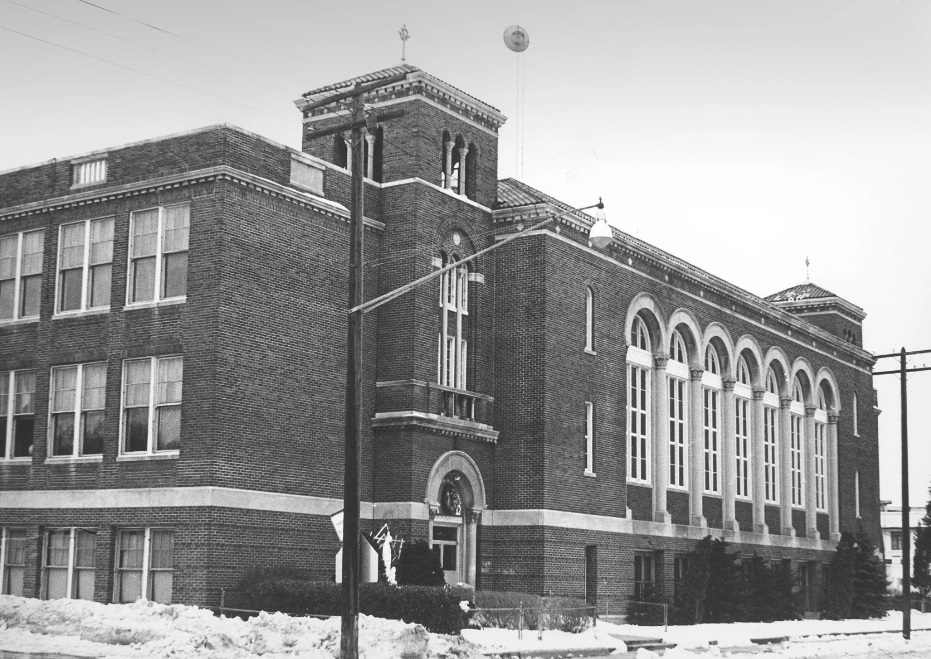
[{"x": 550, "y": 416}]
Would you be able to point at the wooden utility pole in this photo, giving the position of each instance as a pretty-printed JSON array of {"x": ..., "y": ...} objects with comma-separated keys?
[
  {"x": 349, "y": 629},
  {"x": 906, "y": 509}
]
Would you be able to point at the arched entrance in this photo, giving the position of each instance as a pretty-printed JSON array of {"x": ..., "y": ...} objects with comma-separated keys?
[{"x": 456, "y": 498}]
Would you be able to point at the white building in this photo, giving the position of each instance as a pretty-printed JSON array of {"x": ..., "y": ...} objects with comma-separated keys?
[{"x": 891, "y": 522}]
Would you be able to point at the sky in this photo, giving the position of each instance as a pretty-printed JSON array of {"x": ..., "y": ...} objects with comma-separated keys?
[{"x": 741, "y": 135}]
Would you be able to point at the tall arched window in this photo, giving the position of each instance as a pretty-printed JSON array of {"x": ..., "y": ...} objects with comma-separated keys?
[
  {"x": 454, "y": 309},
  {"x": 677, "y": 374},
  {"x": 589, "y": 319},
  {"x": 639, "y": 390},
  {"x": 743, "y": 433},
  {"x": 797, "y": 443},
  {"x": 820, "y": 452},
  {"x": 712, "y": 386},
  {"x": 771, "y": 439},
  {"x": 471, "y": 177}
]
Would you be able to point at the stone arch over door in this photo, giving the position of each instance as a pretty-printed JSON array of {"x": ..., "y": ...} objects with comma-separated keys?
[{"x": 455, "y": 495}]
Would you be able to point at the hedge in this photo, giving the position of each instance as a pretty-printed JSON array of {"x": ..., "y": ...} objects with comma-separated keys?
[
  {"x": 436, "y": 608},
  {"x": 511, "y": 610}
]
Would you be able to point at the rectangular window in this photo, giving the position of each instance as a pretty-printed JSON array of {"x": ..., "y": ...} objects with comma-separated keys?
[
  {"x": 89, "y": 172},
  {"x": 644, "y": 582},
  {"x": 589, "y": 437},
  {"x": 712, "y": 450},
  {"x": 152, "y": 405},
  {"x": 895, "y": 540},
  {"x": 12, "y": 560},
  {"x": 820, "y": 468},
  {"x": 445, "y": 545},
  {"x": 17, "y": 412},
  {"x": 796, "y": 440},
  {"x": 77, "y": 409},
  {"x": 21, "y": 274},
  {"x": 70, "y": 564},
  {"x": 144, "y": 565},
  {"x": 158, "y": 250},
  {"x": 678, "y": 457},
  {"x": 638, "y": 434},
  {"x": 743, "y": 443},
  {"x": 856, "y": 494},
  {"x": 770, "y": 454},
  {"x": 85, "y": 255}
]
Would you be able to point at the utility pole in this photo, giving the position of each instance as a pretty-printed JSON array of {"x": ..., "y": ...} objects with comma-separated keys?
[
  {"x": 352, "y": 493},
  {"x": 906, "y": 509},
  {"x": 349, "y": 628}
]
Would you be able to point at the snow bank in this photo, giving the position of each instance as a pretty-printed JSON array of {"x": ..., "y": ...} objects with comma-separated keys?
[{"x": 147, "y": 629}]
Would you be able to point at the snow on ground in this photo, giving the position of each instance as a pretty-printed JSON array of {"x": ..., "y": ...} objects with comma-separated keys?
[
  {"x": 145, "y": 629},
  {"x": 737, "y": 634}
]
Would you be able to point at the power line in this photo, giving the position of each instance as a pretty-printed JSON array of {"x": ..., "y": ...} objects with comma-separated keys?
[
  {"x": 130, "y": 18},
  {"x": 232, "y": 74},
  {"x": 146, "y": 73}
]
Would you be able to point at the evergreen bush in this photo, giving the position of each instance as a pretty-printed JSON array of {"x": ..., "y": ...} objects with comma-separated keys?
[
  {"x": 419, "y": 566},
  {"x": 870, "y": 588}
]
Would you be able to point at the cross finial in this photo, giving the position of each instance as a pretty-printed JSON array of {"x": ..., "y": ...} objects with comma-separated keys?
[
  {"x": 405, "y": 35},
  {"x": 807, "y": 273}
]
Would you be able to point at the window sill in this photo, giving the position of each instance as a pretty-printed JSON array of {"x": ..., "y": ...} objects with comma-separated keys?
[
  {"x": 69, "y": 459},
  {"x": 589, "y": 474},
  {"x": 159, "y": 303},
  {"x": 81, "y": 313},
  {"x": 631, "y": 481},
  {"x": 678, "y": 488},
  {"x": 16, "y": 461},
  {"x": 18, "y": 321},
  {"x": 133, "y": 457},
  {"x": 84, "y": 186},
  {"x": 589, "y": 351}
]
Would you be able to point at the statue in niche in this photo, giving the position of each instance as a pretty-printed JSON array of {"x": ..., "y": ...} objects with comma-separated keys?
[{"x": 450, "y": 498}]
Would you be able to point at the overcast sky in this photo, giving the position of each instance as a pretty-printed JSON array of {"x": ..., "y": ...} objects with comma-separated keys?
[{"x": 742, "y": 136}]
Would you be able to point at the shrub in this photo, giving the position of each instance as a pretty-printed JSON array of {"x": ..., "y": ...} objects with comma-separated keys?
[
  {"x": 419, "y": 566},
  {"x": 437, "y": 609},
  {"x": 511, "y": 610},
  {"x": 502, "y": 609}
]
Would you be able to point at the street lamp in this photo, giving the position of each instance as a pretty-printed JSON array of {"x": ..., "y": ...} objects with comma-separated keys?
[{"x": 599, "y": 236}]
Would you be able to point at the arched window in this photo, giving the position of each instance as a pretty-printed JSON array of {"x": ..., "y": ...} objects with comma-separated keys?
[
  {"x": 454, "y": 309},
  {"x": 712, "y": 362},
  {"x": 822, "y": 402},
  {"x": 589, "y": 319},
  {"x": 677, "y": 351},
  {"x": 743, "y": 371},
  {"x": 639, "y": 336},
  {"x": 471, "y": 171},
  {"x": 798, "y": 394},
  {"x": 446, "y": 161},
  {"x": 772, "y": 385},
  {"x": 797, "y": 442},
  {"x": 639, "y": 404}
]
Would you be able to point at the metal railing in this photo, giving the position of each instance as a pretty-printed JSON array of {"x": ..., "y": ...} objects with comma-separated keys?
[{"x": 538, "y": 618}]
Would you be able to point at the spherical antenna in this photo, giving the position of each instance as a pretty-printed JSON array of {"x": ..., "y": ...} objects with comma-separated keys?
[{"x": 516, "y": 38}]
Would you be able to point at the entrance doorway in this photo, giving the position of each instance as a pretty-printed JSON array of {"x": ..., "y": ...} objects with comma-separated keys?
[{"x": 446, "y": 546}]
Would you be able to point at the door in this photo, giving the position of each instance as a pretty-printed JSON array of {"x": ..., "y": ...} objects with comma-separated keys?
[{"x": 446, "y": 545}]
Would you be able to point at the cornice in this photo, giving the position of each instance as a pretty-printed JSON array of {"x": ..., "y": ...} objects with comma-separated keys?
[
  {"x": 438, "y": 424},
  {"x": 837, "y": 346},
  {"x": 186, "y": 179},
  {"x": 799, "y": 306},
  {"x": 425, "y": 86}
]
